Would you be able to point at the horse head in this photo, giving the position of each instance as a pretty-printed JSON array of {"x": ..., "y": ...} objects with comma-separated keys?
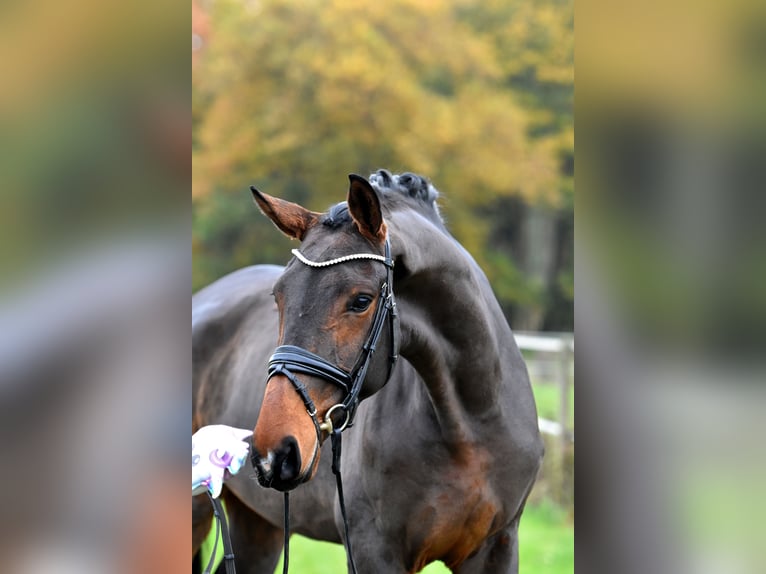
[{"x": 337, "y": 330}]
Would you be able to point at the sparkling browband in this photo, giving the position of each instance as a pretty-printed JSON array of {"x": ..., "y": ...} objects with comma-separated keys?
[{"x": 302, "y": 258}]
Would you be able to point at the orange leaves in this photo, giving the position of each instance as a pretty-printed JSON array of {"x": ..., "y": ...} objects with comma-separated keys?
[
  {"x": 292, "y": 95},
  {"x": 423, "y": 85}
]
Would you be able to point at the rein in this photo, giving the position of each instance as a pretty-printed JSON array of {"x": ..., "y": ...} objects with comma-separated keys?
[
  {"x": 223, "y": 528},
  {"x": 288, "y": 360}
]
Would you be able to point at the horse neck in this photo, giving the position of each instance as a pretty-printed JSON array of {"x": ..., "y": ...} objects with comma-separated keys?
[{"x": 453, "y": 331}]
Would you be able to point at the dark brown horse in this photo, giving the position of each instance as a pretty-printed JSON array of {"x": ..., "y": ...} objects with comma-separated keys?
[{"x": 443, "y": 450}]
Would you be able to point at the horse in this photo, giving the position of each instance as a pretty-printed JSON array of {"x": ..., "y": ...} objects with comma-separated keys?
[{"x": 443, "y": 446}]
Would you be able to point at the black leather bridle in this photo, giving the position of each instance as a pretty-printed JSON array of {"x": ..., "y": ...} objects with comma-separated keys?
[{"x": 288, "y": 360}]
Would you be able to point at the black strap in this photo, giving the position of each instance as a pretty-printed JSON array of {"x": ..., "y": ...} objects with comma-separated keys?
[
  {"x": 287, "y": 533},
  {"x": 228, "y": 552},
  {"x": 335, "y": 437},
  {"x": 211, "y": 563},
  {"x": 300, "y": 360},
  {"x": 351, "y": 401}
]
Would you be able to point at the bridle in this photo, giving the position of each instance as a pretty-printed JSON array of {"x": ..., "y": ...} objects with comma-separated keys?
[{"x": 287, "y": 360}]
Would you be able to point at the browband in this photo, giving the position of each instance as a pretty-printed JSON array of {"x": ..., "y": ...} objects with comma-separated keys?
[{"x": 387, "y": 261}]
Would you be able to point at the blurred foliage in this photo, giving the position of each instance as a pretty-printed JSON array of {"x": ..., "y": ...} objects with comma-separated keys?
[
  {"x": 292, "y": 96},
  {"x": 94, "y": 134}
]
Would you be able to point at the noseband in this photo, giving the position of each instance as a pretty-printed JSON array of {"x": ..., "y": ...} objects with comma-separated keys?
[{"x": 288, "y": 360}]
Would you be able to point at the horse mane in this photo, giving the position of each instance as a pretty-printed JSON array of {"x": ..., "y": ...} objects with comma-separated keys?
[{"x": 396, "y": 191}]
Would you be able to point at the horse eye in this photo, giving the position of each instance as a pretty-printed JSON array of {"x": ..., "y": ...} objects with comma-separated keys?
[{"x": 360, "y": 303}]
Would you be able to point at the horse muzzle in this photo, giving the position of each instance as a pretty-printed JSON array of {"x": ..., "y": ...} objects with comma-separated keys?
[{"x": 280, "y": 469}]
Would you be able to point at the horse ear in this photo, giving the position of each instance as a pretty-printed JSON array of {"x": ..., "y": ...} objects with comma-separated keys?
[
  {"x": 364, "y": 207},
  {"x": 290, "y": 218}
]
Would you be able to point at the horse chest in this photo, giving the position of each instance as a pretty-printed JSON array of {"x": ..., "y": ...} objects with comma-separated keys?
[{"x": 454, "y": 516}]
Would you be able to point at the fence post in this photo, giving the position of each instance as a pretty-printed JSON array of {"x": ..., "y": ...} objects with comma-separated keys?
[
  {"x": 558, "y": 448},
  {"x": 565, "y": 380}
]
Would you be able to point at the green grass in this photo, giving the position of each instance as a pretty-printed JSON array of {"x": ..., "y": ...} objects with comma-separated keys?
[
  {"x": 547, "y": 397},
  {"x": 546, "y": 540},
  {"x": 312, "y": 557},
  {"x": 546, "y": 545}
]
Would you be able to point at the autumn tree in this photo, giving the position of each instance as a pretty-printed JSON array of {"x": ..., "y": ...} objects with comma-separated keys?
[{"x": 292, "y": 96}]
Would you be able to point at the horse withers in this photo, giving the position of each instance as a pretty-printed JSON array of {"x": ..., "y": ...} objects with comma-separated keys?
[{"x": 444, "y": 446}]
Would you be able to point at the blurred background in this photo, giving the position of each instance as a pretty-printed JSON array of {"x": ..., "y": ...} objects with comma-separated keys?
[
  {"x": 671, "y": 297},
  {"x": 477, "y": 96},
  {"x": 95, "y": 267},
  {"x": 95, "y": 227}
]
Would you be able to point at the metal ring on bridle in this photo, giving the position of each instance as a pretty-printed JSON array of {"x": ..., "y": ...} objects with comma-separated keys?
[{"x": 328, "y": 425}]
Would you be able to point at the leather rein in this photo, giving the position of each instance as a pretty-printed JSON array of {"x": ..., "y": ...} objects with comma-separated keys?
[{"x": 287, "y": 360}]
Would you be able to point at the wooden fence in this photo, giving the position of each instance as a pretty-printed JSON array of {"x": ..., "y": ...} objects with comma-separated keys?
[{"x": 550, "y": 360}]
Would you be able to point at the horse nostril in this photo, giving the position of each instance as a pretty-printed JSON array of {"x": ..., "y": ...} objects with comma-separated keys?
[
  {"x": 287, "y": 460},
  {"x": 261, "y": 467},
  {"x": 255, "y": 456}
]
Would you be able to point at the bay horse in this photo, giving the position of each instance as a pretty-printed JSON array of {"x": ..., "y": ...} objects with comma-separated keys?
[{"x": 444, "y": 446}]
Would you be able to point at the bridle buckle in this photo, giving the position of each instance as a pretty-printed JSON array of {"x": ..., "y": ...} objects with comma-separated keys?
[{"x": 328, "y": 425}]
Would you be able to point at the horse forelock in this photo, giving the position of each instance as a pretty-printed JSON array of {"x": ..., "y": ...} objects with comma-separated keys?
[{"x": 396, "y": 192}]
